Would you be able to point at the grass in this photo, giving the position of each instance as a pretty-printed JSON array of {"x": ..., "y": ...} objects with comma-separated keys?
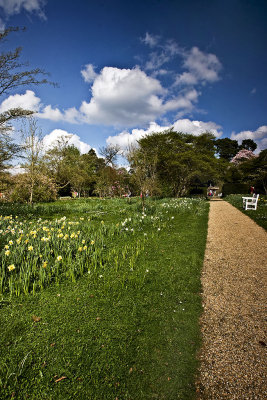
[
  {"x": 124, "y": 332},
  {"x": 259, "y": 215}
]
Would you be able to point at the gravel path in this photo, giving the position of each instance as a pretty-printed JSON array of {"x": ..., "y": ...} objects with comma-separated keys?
[{"x": 233, "y": 355}]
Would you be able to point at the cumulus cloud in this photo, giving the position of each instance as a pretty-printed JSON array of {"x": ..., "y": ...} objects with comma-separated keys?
[
  {"x": 89, "y": 73},
  {"x": 197, "y": 127},
  {"x": 201, "y": 67},
  {"x": 51, "y": 140},
  {"x": 125, "y": 139},
  {"x": 123, "y": 97},
  {"x": 129, "y": 97},
  {"x": 259, "y": 136},
  {"x": 70, "y": 115},
  {"x": 27, "y": 101}
]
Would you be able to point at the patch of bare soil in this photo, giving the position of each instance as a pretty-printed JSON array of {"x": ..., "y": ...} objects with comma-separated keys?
[{"x": 233, "y": 355}]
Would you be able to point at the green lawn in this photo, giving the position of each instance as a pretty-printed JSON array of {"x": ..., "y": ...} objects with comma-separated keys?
[
  {"x": 126, "y": 326},
  {"x": 259, "y": 215}
]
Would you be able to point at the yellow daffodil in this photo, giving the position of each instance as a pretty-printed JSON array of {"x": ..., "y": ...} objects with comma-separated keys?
[
  {"x": 10, "y": 242},
  {"x": 11, "y": 267},
  {"x": 45, "y": 264},
  {"x": 92, "y": 242},
  {"x": 80, "y": 249},
  {"x": 83, "y": 241},
  {"x": 6, "y": 246},
  {"x": 84, "y": 247},
  {"x": 7, "y": 253},
  {"x": 30, "y": 248},
  {"x": 59, "y": 258}
]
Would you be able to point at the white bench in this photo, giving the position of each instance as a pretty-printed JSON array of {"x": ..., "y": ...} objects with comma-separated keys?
[{"x": 250, "y": 203}]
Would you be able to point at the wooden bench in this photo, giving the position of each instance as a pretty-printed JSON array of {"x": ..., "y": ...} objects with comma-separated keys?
[{"x": 250, "y": 203}]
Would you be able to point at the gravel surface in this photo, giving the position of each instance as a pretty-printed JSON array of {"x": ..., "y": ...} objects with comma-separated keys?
[{"x": 233, "y": 355}]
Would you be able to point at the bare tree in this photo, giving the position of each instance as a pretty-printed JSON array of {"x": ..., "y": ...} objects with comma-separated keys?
[
  {"x": 110, "y": 154},
  {"x": 32, "y": 146}
]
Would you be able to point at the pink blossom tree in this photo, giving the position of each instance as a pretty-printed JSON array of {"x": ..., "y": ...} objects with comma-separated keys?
[{"x": 243, "y": 155}]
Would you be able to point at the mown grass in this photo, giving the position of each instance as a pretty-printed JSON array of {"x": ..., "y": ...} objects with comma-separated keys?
[
  {"x": 125, "y": 333},
  {"x": 259, "y": 215}
]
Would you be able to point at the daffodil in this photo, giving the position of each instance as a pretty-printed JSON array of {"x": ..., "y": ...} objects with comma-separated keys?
[
  {"x": 83, "y": 241},
  {"x": 45, "y": 264},
  {"x": 92, "y": 242},
  {"x": 59, "y": 258},
  {"x": 6, "y": 246},
  {"x": 84, "y": 247},
  {"x": 10, "y": 242},
  {"x": 30, "y": 248},
  {"x": 7, "y": 253},
  {"x": 11, "y": 267},
  {"x": 80, "y": 249}
]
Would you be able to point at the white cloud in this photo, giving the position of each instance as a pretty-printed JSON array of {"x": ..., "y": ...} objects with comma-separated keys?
[
  {"x": 16, "y": 170},
  {"x": 89, "y": 73},
  {"x": 201, "y": 67},
  {"x": 156, "y": 60},
  {"x": 12, "y": 7},
  {"x": 27, "y": 101},
  {"x": 197, "y": 127},
  {"x": 125, "y": 139},
  {"x": 259, "y": 136},
  {"x": 70, "y": 115},
  {"x": 54, "y": 114},
  {"x": 150, "y": 40},
  {"x": 124, "y": 97},
  {"x": 52, "y": 138}
]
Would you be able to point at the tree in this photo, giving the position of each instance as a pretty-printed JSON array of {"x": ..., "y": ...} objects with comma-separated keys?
[
  {"x": 226, "y": 148},
  {"x": 248, "y": 144},
  {"x": 242, "y": 155},
  {"x": 110, "y": 154},
  {"x": 254, "y": 170},
  {"x": 44, "y": 190},
  {"x": 32, "y": 147},
  {"x": 13, "y": 75},
  {"x": 169, "y": 162}
]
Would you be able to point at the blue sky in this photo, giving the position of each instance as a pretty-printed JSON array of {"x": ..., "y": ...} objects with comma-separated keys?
[{"x": 127, "y": 68}]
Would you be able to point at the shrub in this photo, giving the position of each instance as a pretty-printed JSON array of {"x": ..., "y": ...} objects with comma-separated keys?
[
  {"x": 44, "y": 189},
  {"x": 235, "y": 188}
]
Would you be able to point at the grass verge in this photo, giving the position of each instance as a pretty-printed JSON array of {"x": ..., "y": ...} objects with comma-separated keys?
[
  {"x": 130, "y": 333},
  {"x": 259, "y": 215}
]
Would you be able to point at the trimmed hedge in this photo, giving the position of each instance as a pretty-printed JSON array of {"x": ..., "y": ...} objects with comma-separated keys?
[{"x": 235, "y": 188}]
